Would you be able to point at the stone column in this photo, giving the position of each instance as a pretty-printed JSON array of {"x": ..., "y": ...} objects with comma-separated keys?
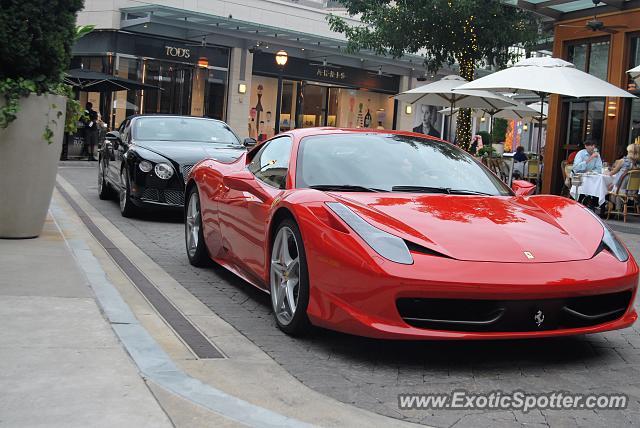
[
  {"x": 240, "y": 69},
  {"x": 404, "y": 121}
]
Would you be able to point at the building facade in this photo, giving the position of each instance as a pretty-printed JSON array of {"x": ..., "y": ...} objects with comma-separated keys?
[
  {"x": 216, "y": 58},
  {"x": 604, "y": 41}
]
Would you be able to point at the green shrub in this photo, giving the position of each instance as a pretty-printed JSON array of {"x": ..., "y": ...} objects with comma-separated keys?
[
  {"x": 486, "y": 137},
  {"x": 499, "y": 130},
  {"x": 37, "y": 37}
]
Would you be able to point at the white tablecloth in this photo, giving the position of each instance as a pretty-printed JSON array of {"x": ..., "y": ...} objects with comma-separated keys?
[{"x": 595, "y": 185}]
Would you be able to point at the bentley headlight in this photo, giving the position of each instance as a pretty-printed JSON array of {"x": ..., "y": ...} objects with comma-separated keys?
[
  {"x": 610, "y": 242},
  {"x": 164, "y": 171},
  {"x": 387, "y": 245},
  {"x": 145, "y": 166}
]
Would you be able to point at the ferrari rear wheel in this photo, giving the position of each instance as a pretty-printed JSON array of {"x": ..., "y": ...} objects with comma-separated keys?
[
  {"x": 289, "y": 279},
  {"x": 193, "y": 235}
]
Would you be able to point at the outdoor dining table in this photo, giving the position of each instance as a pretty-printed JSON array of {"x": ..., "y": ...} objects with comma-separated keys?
[{"x": 594, "y": 185}]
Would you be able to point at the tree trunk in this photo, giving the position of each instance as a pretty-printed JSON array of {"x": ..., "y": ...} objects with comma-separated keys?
[{"x": 463, "y": 124}]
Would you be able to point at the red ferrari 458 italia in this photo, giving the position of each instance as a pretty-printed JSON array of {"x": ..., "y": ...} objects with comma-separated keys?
[{"x": 402, "y": 236}]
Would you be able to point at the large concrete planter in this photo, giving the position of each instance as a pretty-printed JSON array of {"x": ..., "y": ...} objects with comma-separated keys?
[{"x": 28, "y": 165}]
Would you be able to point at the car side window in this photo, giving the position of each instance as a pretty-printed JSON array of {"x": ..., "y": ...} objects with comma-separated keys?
[
  {"x": 125, "y": 133},
  {"x": 271, "y": 163}
]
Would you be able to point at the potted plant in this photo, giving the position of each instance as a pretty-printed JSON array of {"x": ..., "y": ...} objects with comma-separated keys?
[
  {"x": 33, "y": 106},
  {"x": 499, "y": 134}
]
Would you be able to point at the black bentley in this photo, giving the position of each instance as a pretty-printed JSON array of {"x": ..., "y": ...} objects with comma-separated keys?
[{"x": 147, "y": 160}]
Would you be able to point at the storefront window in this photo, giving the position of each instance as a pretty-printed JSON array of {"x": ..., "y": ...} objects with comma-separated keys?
[
  {"x": 313, "y": 107},
  {"x": 591, "y": 57},
  {"x": 215, "y": 94},
  {"x": 586, "y": 120},
  {"x": 599, "y": 59},
  {"x": 578, "y": 56}
]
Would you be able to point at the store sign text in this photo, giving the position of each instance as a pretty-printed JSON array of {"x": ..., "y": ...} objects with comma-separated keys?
[
  {"x": 177, "y": 52},
  {"x": 331, "y": 74}
]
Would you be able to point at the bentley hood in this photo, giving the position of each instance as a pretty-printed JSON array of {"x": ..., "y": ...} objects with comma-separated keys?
[
  {"x": 491, "y": 229},
  {"x": 187, "y": 152}
]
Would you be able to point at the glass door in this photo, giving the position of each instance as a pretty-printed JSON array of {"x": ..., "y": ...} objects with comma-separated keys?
[{"x": 314, "y": 107}]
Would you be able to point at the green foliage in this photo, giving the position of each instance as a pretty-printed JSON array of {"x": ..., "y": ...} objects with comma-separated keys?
[
  {"x": 486, "y": 137},
  {"x": 484, "y": 151},
  {"x": 499, "y": 129},
  {"x": 82, "y": 30},
  {"x": 471, "y": 33},
  {"x": 37, "y": 39},
  {"x": 480, "y": 31}
]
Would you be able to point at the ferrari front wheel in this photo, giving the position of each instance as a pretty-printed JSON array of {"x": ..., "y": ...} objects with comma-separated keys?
[
  {"x": 289, "y": 279},
  {"x": 194, "y": 237}
]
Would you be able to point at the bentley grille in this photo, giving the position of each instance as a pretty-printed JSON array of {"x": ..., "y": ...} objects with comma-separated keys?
[
  {"x": 186, "y": 169},
  {"x": 174, "y": 197}
]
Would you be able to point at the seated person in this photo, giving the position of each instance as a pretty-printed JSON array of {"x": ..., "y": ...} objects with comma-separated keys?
[
  {"x": 587, "y": 159},
  {"x": 626, "y": 163},
  {"x": 520, "y": 155},
  {"x": 630, "y": 161}
]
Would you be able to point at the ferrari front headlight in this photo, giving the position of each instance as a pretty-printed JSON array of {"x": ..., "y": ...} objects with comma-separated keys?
[
  {"x": 164, "y": 171},
  {"x": 610, "y": 241},
  {"x": 387, "y": 245}
]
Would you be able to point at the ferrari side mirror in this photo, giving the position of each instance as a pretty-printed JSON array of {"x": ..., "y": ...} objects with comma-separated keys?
[
  {"x": 522, "y": 187},
  {"x": 244, "y": 181},
  {"x": 249, "y": 142}
]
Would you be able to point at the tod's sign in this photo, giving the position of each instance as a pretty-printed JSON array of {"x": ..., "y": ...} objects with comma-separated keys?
[{"x": 176, "y": 52}]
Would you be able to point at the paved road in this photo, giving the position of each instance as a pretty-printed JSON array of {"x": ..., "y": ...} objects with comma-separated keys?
[{"x": 371, "y": 373}]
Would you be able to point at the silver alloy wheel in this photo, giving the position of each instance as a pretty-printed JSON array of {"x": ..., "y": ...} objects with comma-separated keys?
[
  {"x": 123, "y": 190},
  {"x": 285, "y": 275},
  {"x": 193, "y": 224}
]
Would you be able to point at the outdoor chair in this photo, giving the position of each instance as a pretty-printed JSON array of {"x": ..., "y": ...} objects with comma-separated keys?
[
  {"x": 566, "y": 176},
  {"x": 531, "y": 170},
  {"x": 625, "y": 194}
]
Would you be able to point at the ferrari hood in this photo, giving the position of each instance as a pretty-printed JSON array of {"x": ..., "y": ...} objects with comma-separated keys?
[
  {"x": 491, "y": 229},
  {"x": 187, "y": 152}
]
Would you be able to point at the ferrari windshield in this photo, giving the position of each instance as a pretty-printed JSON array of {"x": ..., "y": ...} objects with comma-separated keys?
[
  {"x": 387, "y": 162},
  {"x": 167, "y": 128}
]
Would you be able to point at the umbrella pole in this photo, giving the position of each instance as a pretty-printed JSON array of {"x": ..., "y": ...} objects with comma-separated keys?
[
  {"x": 539, "y": 148},
  {"x": 453, "y": 105},
  {"x": 491, "y": 132}
]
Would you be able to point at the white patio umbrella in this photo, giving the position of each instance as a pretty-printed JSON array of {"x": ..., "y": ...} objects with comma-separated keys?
[
  {"x": 635, "y": 74},
  {"x": 544, "y": 108},
  {"x": 440, "y": 93},
  {"x": 544, "y": 76}
]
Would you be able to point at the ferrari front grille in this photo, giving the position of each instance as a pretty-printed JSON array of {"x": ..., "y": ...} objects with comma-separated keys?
[{"x": 513, "y": 315}]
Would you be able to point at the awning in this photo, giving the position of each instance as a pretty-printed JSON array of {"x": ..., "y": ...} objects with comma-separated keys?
[{"x": 93, "y": 81}]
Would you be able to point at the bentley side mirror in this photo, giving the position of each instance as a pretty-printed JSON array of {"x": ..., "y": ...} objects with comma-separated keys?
[
  {"x": 249, "y": 142},
  {"x": 112, "y": 136}
]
